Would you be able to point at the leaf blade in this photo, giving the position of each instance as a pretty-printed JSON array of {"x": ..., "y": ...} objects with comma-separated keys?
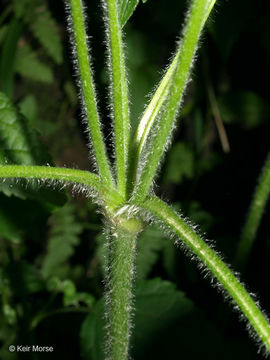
[
  {"x": 28, "y": 64},
  {"x": 19, "y": 144},
  {"x": 64, "y": 237},
  {"x": 44, "y": 28},
  {"x": 8, "y": 56},
  {"x": 126, "y": 9}
]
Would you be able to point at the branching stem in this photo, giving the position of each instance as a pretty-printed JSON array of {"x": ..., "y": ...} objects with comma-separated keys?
[{"x": 143, "y": 162}]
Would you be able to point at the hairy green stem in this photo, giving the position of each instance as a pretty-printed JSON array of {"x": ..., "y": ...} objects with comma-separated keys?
[
  {"x": 80, "y": 177},
  {"x": 212, "y": 262},
  {"x": 119, "y": 279},
  {"x": 211, "y": 4},
  {"x": 255, "y": 213},
  {"x": 119, "y": 95},
  {"x": 148, "y": 166},
  {"x": 159, "y": 98},
  {"x": 88, "y": 90}
]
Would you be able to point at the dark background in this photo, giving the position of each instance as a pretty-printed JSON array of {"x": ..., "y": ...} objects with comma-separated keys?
[{"x": 51, "y": 253}]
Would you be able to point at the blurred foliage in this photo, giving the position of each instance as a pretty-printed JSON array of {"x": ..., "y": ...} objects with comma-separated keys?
[{"x": 51, "y": 246}]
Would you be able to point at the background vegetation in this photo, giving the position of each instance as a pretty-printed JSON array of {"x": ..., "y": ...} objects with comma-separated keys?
[{"x": 51, "y": 249}]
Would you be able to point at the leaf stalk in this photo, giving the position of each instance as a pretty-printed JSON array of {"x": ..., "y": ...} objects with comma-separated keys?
[
  {"x": 213, "y": 262},
  {"x": 88, "y": 90},
  {"x": 119, "y": 95}
]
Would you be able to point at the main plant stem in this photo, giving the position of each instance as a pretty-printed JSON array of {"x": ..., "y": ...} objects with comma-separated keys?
[{"x": 119, "y": 279}]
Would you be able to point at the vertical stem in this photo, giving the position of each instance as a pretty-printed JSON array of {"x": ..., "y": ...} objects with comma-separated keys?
[
  {"x": 254, "y": 216},
  {"x": 88, "y": 90},
  {"x": 120, "y": 274},
  {"x": 119, "y": 94}
]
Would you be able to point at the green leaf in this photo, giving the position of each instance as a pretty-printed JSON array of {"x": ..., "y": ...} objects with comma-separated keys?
[
  {"x": 239, "y": 12},
  {"x": 28, "y": 65},
  {"x": 126, "y": 9},
  {"x": 170, "y": 259},
  {"x": 158, "y": 303},
  {"x": 42, "y": 25},
  {"x": 200, "y": 216},
  {"x": 23, "y": 220},
  {"x": 244, "y": 108},
  {"x": 80, "y": 298},
  {"x": 19, "y": 144},
  {"x": 23, "y": 7},
  {"x": 92, "y": 333},
  {"x": 29, "y": 108},
  {"x": 9, "y": 313},
  {"x": 70, "y": 295},
  {"x": 163, "y": 316},
  {"x": 180, "y": 163},
  {"x": 3, "y": 32},
  {"x": 150, "y": 244},
  {"x": 70, "y": 92},
  {"x": 8, "y": 229},
  {"x": 46, "y": 31},
  {"x": 64, "y": 236},
  {"x": 24, "y": 278},
  {"x": 8, "y": 55}
]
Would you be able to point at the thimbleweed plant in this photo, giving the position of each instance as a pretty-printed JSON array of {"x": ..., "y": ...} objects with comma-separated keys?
[{"x": 124, "y": 190}]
